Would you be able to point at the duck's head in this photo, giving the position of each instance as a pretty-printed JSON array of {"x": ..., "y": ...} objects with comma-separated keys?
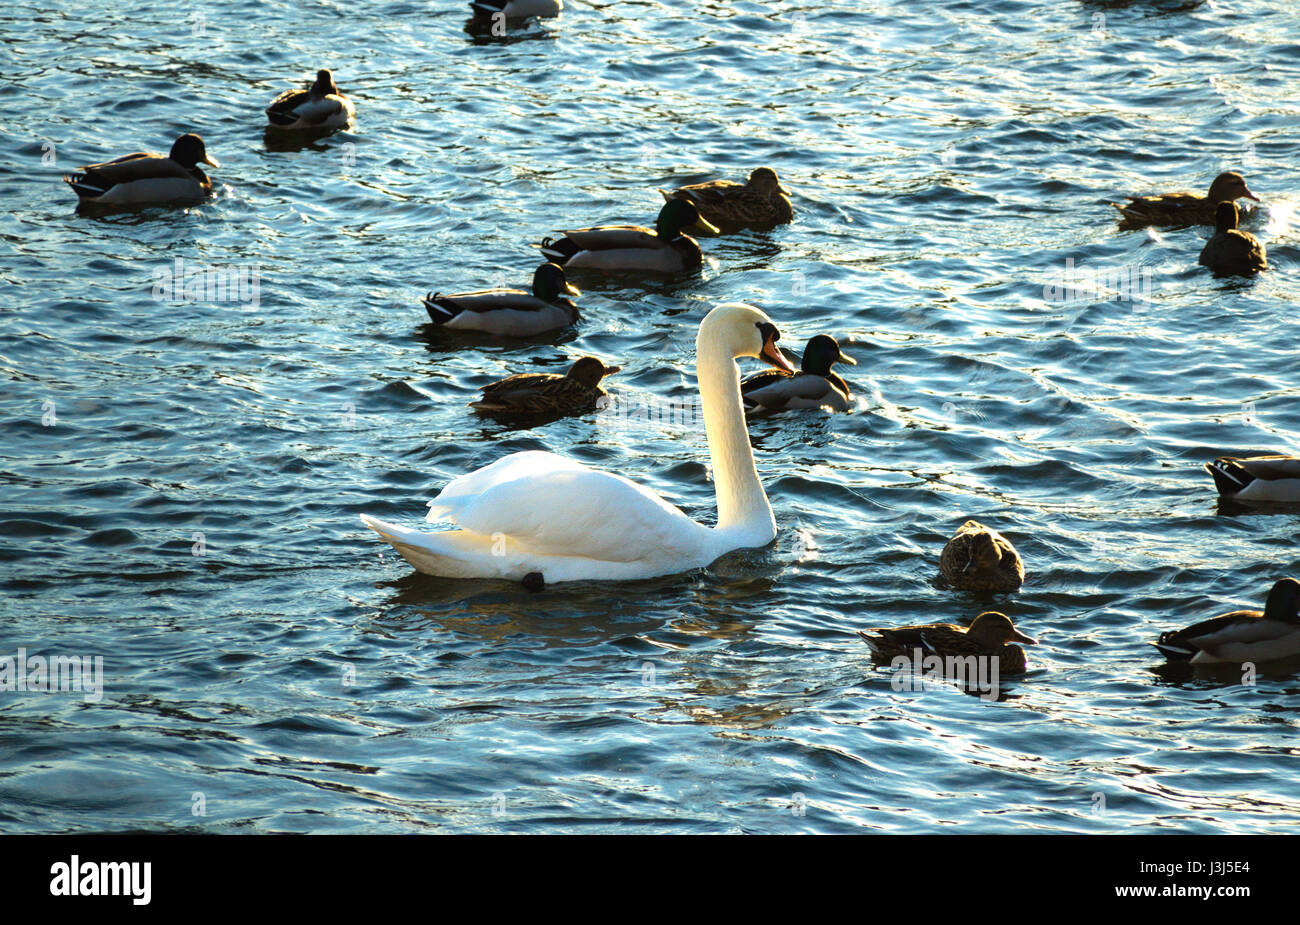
[
  {"x": 1284, "y": 601},
  {"x": 549, "y": 283},
  {"x": 1226, "y": 216},
  {"x": 589, "y": 371},
  {"x": 743, "y": 331},
  {"x": 677, "y": 216},
  {"x": 324, "y": 85},
  {"x": 984, "y": 554},
  {"x": 823, "y": 351},
  {"x": 995, "y": 629},
  {"x": 764, "y": 180},
  {"x": 1229, "y": 187},
  {"x": 189, "y": 152}
]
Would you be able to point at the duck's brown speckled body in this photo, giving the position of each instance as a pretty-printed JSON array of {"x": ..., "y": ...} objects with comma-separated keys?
[
  {"x": 760, "y": 202},
  {"x": 988, "y": 635},
  {"x": 576, "y": 391},
  {"x": 1180, "y": 210},
  {"x": 980, "y": 559},
  {"x": 1232, "y": 251}
]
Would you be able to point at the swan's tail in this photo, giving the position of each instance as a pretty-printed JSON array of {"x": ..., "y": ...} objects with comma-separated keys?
[{"x": 447, "y": 554}]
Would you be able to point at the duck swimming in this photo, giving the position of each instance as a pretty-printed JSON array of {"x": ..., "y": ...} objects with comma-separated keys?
[
  {"x": 510, "y": 312},
  {"x": 1183, "y": 209},
  {"x": 320, "y": 106},
  {"x": 517, "y": 9},
  {"x": 576, "y": 391},
  {"x": 616, "y": 248},
  {"x": 147, "y": 179},
  {"x": 988, "y": 635},
  {"x": 760, "y": 202},
  {"x": 814, "y": 386},
  {"x": 1232, "y": 251},
  {"x": 1243, "y": 635},
  {"x": 1257, "y": 478},
  {"x": 980, "y": 559}
]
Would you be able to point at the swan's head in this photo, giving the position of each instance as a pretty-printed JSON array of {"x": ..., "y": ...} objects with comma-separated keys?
[{"x": 743, "y": 331}]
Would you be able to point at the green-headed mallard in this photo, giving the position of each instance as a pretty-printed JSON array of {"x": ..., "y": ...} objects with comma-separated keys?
[
  {"x": 320, "y": 106},
  {"x": 988, "y": 635},
  {"x": 814, "y": 386},
  {"x": 1231, "y": 250},
  {"x": 1257, "y": 478},
  {"x": 761, "y": 202},
  {"x": 509, "y": 311},
  {"x": 1183, "y": 209},
  {"x": 1243, "y": 635},
  {"x": 576, "y": 391},
  {"x": 144, "y": 179},
  {"x": 616, "y": 248},
  {"x": 980, "y": 559},
  {"x": 517, "y": 9}
]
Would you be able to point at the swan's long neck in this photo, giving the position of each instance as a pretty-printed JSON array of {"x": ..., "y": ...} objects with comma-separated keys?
[{"x": 742, "y": 503}]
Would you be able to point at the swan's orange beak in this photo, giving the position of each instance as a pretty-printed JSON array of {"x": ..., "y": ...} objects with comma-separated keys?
[{"x": 771, "y": 352}]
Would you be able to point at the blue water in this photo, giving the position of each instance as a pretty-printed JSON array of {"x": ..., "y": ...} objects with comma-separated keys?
[{"x": 945, "y": 160}]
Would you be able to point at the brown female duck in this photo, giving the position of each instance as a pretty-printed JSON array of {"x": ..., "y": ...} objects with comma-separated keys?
[
  {"x": 761, "y": 202},
  {"x": 576, "y": 391},
  {"x": 1231, "y": 250},
  {"x": 988, "y": 635},
  {"x": 1182, "y": 209},
  {"x": 980, "y": 559}
]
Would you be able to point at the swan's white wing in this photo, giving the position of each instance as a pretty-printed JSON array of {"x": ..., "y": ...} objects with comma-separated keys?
[{"x": 548, "y": 504}]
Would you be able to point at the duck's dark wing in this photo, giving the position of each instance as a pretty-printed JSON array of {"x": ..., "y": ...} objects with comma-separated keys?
[
  {"x": 98, "y": 179},
  {"x": 1238, "y": 626},
  {"x": 444, "y": 307},
  {"x": 281, "y": 110}
]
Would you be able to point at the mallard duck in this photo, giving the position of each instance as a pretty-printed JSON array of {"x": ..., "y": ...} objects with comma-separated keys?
[
  {"x": 509, "y": 311},
  {"x": 320, "y": 106},
  {"x": 1243, "y": 635},
  {"x": 980, "y": 559},
  {"x": 988, "y": 635},
  {"x": 759, "y": 203},
  {"x": 815, "y": 386},
  {"x": 517, "y": 9},
  {"x": 1232, "y": 250},
  {"x": 1182, "y": 209},
  {"x": 142, "y": 178},
  {"x": 1257, "y": 478},
  {"x": 576, "y": 391},
  {"x": 615, "y": 248}
]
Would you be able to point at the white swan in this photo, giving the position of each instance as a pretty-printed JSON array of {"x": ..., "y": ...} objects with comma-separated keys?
[{"x": 536, "y": 512}]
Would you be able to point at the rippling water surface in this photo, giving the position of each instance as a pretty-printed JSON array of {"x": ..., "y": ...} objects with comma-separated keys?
[{"x": 945, "y": 158}]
